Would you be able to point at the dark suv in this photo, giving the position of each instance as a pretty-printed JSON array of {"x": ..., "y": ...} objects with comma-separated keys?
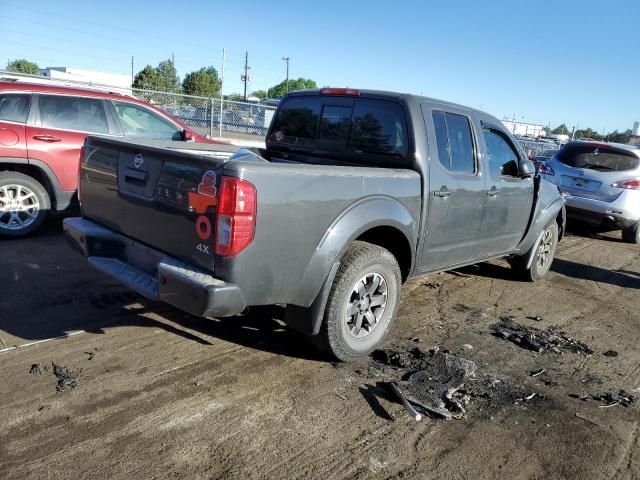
[{"x": 42, "y": 130}]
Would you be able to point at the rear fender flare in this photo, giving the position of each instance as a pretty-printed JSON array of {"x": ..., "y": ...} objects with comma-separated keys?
[{"x": 358, "y": 218}]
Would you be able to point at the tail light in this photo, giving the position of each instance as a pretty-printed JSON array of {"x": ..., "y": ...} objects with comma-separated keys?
[
  {"x": 236, "y": 218},
  {"x": 545, "y": 169},
  {"x": 631, "y": 184}
]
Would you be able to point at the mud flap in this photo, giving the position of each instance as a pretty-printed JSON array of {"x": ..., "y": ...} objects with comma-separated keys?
[{"x": 307, "y": 320}]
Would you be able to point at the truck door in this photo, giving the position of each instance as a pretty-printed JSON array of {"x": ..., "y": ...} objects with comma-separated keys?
[
  {"x": 456, "y": 190},
  {"x": 508, "y": 198}
]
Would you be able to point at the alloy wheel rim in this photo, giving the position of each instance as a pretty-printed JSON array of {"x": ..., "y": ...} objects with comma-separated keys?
[
  {"x": 19, "y": 207},
  {"x": 367, "y": 304},
  {"x": 544, "y": 249}
]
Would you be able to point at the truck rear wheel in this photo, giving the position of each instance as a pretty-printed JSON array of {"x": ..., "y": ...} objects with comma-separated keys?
[
  {"x": 362, "y": 303},
  {"x": 24, "y": 204},
  {"x": 543, "y": 254}
]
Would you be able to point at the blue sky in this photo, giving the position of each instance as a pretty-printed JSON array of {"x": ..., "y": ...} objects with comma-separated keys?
[{"x": 542, "y": 61}]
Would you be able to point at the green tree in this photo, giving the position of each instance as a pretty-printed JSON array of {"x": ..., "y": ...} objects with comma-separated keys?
[
  {"x": 261, "y": 94},
  {"x": 619, "y": 137},
  {"x": 169, "y": 76},
  {"x": 280, "y": 90},
  {"x": 561, "y": 129},
  {"x": 148, "y": 79},
  {"x": 23, "y": 66},
  {"x": 234, "y": 97},
  {"x": 203, "y": 82}
]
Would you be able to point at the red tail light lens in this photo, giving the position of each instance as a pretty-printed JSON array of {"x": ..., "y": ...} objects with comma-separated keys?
[
  {"x": 340, "y": 91},
  {"x": 236, "y": 219},
  {"x": 545, "y": 169},
  {"x": 632, "y": 184}
]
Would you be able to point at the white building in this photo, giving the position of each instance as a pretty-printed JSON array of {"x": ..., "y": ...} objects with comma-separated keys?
[
  {"x": 116, "y": 80},
  {"x": 523, "y": 128}
]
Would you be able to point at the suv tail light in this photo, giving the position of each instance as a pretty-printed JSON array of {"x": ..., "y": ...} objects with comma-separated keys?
[
  {"x": 236, "y": 218},
  {"x": 340, "y": 91},
  {"x": 545, "y": 169},
  {"x": 632, "y": 184}
]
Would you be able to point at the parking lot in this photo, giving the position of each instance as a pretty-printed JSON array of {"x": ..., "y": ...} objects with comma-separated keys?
[{"x": 163, "y": 394}]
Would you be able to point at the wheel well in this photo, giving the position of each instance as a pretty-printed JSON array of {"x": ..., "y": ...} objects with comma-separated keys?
[
  {"x": 393, "y": 240},
  {"x": 36, "y": 173},
  {"x": 561, "y": 221}
]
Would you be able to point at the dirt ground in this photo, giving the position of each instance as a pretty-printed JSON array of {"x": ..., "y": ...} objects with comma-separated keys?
[{"x": 163, "y": 394}]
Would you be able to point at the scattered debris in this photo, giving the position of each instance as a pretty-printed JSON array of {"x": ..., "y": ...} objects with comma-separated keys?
[
  {"x": 466, "y": 346},
  {"x": 622, "y": 398},
  {"x": 610, "y": 353},
  {"x": 339, "y": 395},
  {"x": 582, "y": 417},
  {"x": 91, "y": 355},
  {"x": 37, "y": 369},
  {"x": 407, "y": 405},
  {"x": 537, "y": 318},
  {"x": 432, "y": 387},
  {"x": 538, "y": 373},
  {"x": 66, "y": 377},
  {"x": 530, "y": 397},
  {"x": 413, "y": 359},
  {"x": 537, "y": 340},
  {"x": 431, "y": 285}
]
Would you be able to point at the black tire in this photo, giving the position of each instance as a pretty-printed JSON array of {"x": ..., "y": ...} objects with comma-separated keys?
[
  {"x": 539, "y": 266},
  {"x": 339, "y": 333},
  {"x": 35, "y": 206},
  {"x": 632, "y": 234}
]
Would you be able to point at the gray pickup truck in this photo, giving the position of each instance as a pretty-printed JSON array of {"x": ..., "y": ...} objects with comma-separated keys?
[{"x": 355, "y": 192}]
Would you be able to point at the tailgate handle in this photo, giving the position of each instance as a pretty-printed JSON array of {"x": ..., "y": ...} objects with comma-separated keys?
[{"x": 137, "y": 175}]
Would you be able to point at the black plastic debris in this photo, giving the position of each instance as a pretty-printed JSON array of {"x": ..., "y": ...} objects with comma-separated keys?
[
  {"x": 610, "y": 353},
  {"x": 432, "y": 387},
  {"x": 67, "y": 378},
  {"x": 37, "y": 369},
  {"x": 610, "y": 399},
  {"x": 537, "y": 340}
]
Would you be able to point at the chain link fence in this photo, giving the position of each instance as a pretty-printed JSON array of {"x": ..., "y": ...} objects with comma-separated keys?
[{"x": 211, "y": 116}]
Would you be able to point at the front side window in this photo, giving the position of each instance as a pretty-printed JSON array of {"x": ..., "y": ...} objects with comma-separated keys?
[
  {"x": 501, "y": 156},
  {"x": 454, "y": 140},
  {"x": 141, "y": 122},
  {"x": 14, "y": 107},
  {"x": 73, "y": 113}
]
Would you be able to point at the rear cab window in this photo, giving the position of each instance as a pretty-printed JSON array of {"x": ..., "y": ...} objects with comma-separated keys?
[
  {"x": 354, "y": 130},
  {"x": 597, "y": 157},
  {"x": 14, "y": 107},
  {"x": 455, "y": 142}
]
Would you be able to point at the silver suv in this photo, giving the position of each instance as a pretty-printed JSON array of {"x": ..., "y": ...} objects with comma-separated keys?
[{"x": 603, "y": 180}]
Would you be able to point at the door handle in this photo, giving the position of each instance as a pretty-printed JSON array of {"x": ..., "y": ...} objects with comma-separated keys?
[
  {"x": 442, "y": 193},
  {"x": 493, "y": 192},
  {"x": 46, "y": 138}
]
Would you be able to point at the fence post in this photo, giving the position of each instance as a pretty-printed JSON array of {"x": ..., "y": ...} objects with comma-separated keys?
[{"x": 211, "y": 119}]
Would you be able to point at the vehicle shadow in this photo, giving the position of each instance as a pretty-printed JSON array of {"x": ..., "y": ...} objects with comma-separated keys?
[
  {"x": 488, "y": 270},
  {"x": 48, "y": 291},
  {"x": 580, "y": 271}
]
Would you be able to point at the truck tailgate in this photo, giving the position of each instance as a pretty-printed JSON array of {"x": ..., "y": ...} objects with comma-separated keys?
[{"x": 163, "y": 198}]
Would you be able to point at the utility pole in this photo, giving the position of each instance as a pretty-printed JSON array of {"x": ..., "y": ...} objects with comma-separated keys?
[
  {"x": 286, "y": 59},
  {"x": 245, "y": 77},
  {"x": 131, "y": 69}
]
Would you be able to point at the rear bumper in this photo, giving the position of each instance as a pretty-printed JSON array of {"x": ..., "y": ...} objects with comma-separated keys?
[
  {"x": 153, "y": 274},
  {"x": 620, "y": 213}
]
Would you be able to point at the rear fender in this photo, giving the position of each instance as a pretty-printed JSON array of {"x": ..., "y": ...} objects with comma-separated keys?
[{"x": 318, "y": 277}]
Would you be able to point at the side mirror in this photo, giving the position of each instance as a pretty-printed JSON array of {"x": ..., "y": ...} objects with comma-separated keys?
[
  {"x": 187, "y": 136},
  {"x": 526, "y": 168}
]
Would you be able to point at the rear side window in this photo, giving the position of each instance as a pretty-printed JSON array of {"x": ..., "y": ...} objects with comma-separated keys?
[
  {"x": 379, "y": 127},
  {"x": 455, "y": 143},
  {"x": 14, "y": 107},
  {"x": 597, "y": 158},
  {"x": 73, "y": 113}
]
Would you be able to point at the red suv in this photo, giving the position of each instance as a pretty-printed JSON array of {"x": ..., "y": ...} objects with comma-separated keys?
[{"x": 42, "y": 129}]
